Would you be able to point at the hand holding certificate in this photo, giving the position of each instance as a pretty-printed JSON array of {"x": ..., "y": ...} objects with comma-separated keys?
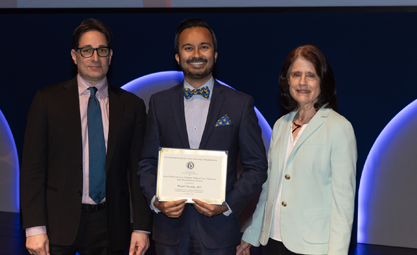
[
  {"x": 209, "y": 210},
  {"x": 188, "y": 174}
]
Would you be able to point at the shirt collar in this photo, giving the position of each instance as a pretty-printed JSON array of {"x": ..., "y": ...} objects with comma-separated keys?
[
  {"x": 209, "y": 84},
  {"x": 102, "y": 91}
]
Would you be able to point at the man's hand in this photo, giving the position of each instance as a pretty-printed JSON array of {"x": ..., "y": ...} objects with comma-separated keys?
[
  {"x": 171, "y": 209},
  {"x": 38, "y": 244},
  {"x": 139, "y": 243},
  {"x": 243, "y": 248},
  {"x": 208, "y": 209}
]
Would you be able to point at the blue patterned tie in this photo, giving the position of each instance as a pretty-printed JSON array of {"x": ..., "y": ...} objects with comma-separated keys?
[
  {"x": 204, "y": 92},
  {"x": 96, "y": 148}
]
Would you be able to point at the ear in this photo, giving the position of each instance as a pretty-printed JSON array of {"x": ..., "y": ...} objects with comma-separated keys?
[
  {"x": 177, "y": 58},
  {"x": 74, "y": 56},
  {"x": 215, "y": 57},
  {"x": 110, "y": 55}
]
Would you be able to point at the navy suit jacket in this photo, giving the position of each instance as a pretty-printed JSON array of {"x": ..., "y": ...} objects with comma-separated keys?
[
  {"x": 166, "y": 127},
  {"x": 51, "y": 171}
]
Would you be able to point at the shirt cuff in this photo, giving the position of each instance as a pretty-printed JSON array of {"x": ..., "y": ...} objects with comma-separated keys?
[
  {"x": 228, "y": 212},
  {"x": 153, "y": 207},
  {"x": 141, "y": 231},
  {"x": 33, "y": 231}
]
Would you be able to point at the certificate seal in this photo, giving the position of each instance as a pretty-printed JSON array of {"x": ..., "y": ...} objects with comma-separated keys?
[{"x": 190, "y": 165}]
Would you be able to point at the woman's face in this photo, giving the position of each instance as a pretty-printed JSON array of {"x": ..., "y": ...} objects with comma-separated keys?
[{"x": 304, "y": 83}]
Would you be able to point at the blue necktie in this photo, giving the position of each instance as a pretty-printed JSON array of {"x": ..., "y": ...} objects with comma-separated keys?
[
  {"x": 204, "y": 92},
  {"x": 96, "y": 148}
]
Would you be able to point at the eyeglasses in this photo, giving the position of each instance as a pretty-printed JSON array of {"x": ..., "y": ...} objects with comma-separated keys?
[{"x": 88, "y": 51}]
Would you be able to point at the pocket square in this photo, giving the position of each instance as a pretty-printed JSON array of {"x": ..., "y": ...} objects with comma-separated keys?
[{"x": 223, "y": 121}]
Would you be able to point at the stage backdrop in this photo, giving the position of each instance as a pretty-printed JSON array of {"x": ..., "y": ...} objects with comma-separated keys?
[{"x": 371, "y": 53}]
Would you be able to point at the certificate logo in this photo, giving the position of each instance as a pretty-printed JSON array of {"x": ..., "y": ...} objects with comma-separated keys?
[{"x": 190, "y": 165}]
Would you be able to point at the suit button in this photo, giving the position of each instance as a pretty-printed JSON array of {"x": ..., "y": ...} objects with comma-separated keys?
[
  {"x": 79, "y": 193},
  {"x": 284, "y": 203},
  {"x": 287, "y": 176},
  {"x": 81, "y": 167}
]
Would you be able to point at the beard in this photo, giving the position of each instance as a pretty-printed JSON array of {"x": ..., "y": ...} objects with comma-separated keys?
[{"x": 197, "y": 74}]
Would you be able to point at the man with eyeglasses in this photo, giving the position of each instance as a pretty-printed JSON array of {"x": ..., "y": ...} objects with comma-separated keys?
[{"x": 81, "y": 151}]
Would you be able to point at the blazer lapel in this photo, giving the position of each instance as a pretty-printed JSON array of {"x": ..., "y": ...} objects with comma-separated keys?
[
  {"x": 71, "y": 104},
  {"x": 312, "y": 127},
  {"x": 283, "y": 144},
  {"x": 177, "y": 102},
  {"x": 116, "y": 108},
  {"x": 216, "y": 104}
]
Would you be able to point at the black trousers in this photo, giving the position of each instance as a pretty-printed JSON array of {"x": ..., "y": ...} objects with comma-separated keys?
[
  {"x": 191, "y": 243},
  {"x": 92, "y": 238},
  {"x": 274, "y": 247}
]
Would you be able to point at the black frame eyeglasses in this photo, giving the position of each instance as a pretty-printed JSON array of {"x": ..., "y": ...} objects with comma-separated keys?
[{"x": 101, "y": 51}]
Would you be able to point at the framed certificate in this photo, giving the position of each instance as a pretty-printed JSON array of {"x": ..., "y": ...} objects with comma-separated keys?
[{"x": 186, "y": 173}]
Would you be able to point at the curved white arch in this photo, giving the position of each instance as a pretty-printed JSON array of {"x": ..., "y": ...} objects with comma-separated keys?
[
  {"x": 9, "y": 169},
  {"x": 387, "y": 208}
]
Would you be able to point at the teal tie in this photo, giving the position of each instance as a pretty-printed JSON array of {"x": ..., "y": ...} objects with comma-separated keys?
[{"x": 96, "y": 148}]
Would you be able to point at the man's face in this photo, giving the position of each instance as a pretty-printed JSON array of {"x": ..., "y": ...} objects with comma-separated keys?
[
  {"x": 92, "y": 69},
  {"x": 196, "y": 53}
]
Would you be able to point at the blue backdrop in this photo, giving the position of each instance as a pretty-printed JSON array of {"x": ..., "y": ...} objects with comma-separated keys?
[{"x": 372, "y": 55}]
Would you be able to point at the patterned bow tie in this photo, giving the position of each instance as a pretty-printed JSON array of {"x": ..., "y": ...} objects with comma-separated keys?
[{"x": 204, "y": 92}]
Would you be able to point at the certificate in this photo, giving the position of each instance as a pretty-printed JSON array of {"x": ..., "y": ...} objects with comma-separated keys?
[{"x": 185, "y": 173}]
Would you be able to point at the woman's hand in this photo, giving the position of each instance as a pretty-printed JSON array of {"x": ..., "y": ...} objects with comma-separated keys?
[{"x": 243, "y": 248}]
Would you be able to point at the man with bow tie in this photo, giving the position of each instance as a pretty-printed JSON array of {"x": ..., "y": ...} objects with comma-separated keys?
[{"x": 200, "y": 113}]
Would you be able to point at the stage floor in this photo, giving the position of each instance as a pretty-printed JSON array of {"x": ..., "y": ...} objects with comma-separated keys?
[{"x": 12, "y": 241}]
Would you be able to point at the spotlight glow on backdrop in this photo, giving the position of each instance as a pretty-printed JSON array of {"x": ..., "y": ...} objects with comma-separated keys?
[
  {"x": 387, "y": 205},
  {"x": 9, "y": 169}
]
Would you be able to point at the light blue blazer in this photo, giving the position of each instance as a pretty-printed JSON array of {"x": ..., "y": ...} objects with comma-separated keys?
[{"x": 318, "y": 190}]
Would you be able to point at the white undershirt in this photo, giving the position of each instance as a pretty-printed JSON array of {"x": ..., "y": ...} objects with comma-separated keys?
[{"x": 276, "y": 220}]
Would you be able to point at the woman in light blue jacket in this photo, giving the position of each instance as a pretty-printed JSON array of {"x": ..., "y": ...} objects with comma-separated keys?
[{"x": 307, "y": 203}]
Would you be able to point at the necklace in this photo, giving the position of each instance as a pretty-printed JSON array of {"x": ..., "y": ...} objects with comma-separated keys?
[{"x": 296, "y": 125}]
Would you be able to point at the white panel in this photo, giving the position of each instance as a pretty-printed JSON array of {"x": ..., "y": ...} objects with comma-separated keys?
[
  {"x": 387, "y": 193},
  {"x": 9, "y": 169}
]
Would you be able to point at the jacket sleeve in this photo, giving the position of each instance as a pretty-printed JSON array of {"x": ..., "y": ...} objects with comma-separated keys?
[
  {"x": 253, "y": 158},
  {"x": 34, "y": 165},
  {"x": 253, "y": 232},
  {"x": 141, "y": 214},
  {"x": 147, "y": 170},
  {"x": 343, "y": 168}
]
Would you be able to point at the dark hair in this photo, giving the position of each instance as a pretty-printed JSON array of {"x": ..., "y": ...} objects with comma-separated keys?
[
  {"x": 190, "y": 23},
  {"x": 91, "y": 25},
  {"x": 327, "y": 81}
]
